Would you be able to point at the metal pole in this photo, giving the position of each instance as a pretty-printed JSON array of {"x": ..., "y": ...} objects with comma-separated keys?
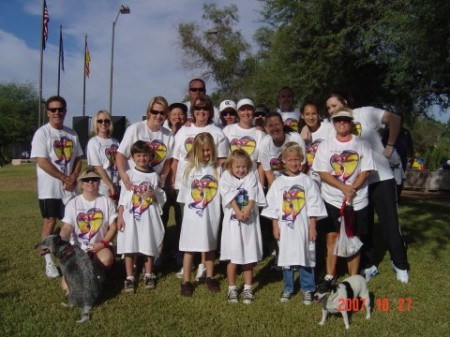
[
  {"x": 111, "y": 78},
  {"x": 84, "y": 76}
]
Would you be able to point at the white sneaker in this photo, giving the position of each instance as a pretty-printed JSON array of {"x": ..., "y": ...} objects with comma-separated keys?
[
  {"x": 51, "y": 271},
  {"x": 370, "y": 273},
  {"x": 201, "y": 272},
  {"x": 180, "y": 273},
  {"x": 402, "y": 274}
]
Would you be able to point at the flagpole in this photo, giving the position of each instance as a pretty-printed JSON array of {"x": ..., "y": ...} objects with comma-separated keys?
[
  {"x": 40, "y": 68},
  {"x": 84, "y": 76},
  {"x": 59, "y": 57}
]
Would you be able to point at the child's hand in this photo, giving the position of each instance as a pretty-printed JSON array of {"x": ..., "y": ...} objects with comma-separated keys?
[
  {"x": 312, "y": 233},
  {"x": 276, "y": 232},
  {"x": 246, "y": 212},
  {"x": 120, "y": 223}
]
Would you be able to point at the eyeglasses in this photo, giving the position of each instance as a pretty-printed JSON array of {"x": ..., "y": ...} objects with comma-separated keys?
[
  {"x": 231, "y": 113},
  {"x": 56, "y": 109},
  {"x": 156, "y": 112},
  {"x": 260, "y": 114},
  {"x": 197, "y": 89},
  {"x": 103, "y": 121},
  {"x": 201, "y": 107},
  {"x": 90, "y": 180}
]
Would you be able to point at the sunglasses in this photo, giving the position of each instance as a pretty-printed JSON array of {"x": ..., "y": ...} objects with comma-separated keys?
[
  {"x": 91, "y": 180},
  {"x": 231, "y": 113},
  {"x": 197, "y": 89},
  {"x": 103, "y": 121},
  {"x": 201, "y": 107},
  {"x": 57, "y": 109},
  {"x": 342, "y": 119},
  {"x": 156, "y": 112}
]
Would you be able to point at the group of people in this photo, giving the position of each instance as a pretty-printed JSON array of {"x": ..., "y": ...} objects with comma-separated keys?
[{"x": 227, "y": 173}]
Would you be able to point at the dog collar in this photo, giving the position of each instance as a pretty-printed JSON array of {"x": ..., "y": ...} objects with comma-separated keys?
[{"x": 66, "y": 252}]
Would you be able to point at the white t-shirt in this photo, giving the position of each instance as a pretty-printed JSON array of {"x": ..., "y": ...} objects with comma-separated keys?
[
  {"x": 344, "y": 160},
  {"x": 102, "y": 152},
  {"x": 161, "y": 142},
  {"x": 201, "y": 214},
  {"x": 292, "y": 201},
  {"x": 61, "y": 147},
  {"x": 270, "y": 154},
  {"x": 89, "y": 219},
  {"x": 323, "y": 132},
  {"x": 290, "y": 118},
  {"x": 183, "y": 144},
  {"x": 248, "y": 140},
  {"x": 368, "y": 122}
]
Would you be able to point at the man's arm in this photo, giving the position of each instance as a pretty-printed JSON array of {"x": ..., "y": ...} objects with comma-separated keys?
[{"x": 392, "y": 121}]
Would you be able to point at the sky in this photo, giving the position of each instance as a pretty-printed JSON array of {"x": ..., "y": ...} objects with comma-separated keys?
[{"x": 147, "y": 56}]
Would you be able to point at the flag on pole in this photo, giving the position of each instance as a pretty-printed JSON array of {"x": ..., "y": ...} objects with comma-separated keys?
[
  {"x": 61, "y": 48},
  {"x": 87, "y": 60},
  {"x": 46, "y": 19}
]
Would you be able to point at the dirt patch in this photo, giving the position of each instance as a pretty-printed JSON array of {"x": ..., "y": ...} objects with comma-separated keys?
[{"x": 426, "y": 195}]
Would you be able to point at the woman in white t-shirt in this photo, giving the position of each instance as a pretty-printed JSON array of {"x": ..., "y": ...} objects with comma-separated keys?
[{"x": 101, "y": 153}]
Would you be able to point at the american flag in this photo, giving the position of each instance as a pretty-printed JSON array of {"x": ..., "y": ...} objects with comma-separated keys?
[{"x": 46, "y": 19}]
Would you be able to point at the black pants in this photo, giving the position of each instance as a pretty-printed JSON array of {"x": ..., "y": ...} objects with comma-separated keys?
[{"x": 382, "y": 199}]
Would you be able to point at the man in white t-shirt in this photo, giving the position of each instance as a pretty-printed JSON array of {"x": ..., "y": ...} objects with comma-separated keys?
[
  {"x": 290, "y": 115},
  {"x": 58, "y": 162}
]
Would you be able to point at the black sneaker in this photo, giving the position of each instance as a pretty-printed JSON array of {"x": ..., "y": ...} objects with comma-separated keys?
[
  {"x": 248, "y": 296},
  {"x": 212, "y": 285},
  {"x": 150, "y": 281},
  {"x": 187, "y": 289},
  {"x": 307, "y": 298},
  {"x": 129, "y": 286},
  {"x": 233, "y": 296}
]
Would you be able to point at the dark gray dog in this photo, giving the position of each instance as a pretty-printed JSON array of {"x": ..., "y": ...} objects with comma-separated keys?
[{"x": 82, "y": 277}]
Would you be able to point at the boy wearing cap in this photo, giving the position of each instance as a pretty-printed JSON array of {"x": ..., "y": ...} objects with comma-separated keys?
[
  {"x": 344, "y": 163},
  {"x": 90, "y": 219}
]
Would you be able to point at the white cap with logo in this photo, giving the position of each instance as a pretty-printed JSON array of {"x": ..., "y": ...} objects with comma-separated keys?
[{"x": 227, "y": 104}]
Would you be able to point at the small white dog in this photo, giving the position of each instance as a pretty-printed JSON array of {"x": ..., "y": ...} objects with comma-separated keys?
[{"x": 351, "y": 294}]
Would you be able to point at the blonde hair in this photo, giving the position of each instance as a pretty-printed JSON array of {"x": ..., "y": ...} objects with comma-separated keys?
[
  {"x": 293, "y": 147},
  {"x": 95, "y": 124},
  {"x": 238, "y": 154},
  {"x": 158, "y": 100},
  {"x": 194, "y": 156}
]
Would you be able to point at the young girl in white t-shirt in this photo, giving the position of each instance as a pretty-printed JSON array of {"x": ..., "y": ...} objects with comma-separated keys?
[
  {"x": 241, "y": 242},
  {"x": 201, "y": 214}
]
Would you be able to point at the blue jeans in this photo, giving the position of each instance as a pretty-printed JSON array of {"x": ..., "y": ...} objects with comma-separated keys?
[{"x": 306, "y": 279}]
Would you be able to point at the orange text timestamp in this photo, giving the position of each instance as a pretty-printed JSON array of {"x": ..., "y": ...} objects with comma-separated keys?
[{"x": 402, "y": 304}]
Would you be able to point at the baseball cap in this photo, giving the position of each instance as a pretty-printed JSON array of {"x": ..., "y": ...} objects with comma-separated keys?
[
  {"x": 181, "y": 106},
  {"x": 344, "y": 114},
  {"x": 227, "y": 104},
  {"x": 245, "y": 101},
  {"x": 89, "y": 173},
  {"x": 261, "y": 109}
]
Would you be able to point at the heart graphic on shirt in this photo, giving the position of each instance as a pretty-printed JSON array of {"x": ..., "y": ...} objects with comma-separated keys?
[
  {"x": 110, "y": 153},
  {"x": 292, "y": 123},
  {"x": 63, "y": 149},
  {"x": 246, "y": 143},
  {"x": 203, "y": 192},
  {"x": 139, "y": 201},
  {"x": 276, "y": 164},
  {"x": 159, "y": 150},
  {"x": 293, "y": 203},
  {"x": 356, "y": 129},
  {"x": 311, "y": 150},
  {"x": 188, "y": 143},
  {"x": 344, "y": 164},
  {"x": 89, "y": 223}
]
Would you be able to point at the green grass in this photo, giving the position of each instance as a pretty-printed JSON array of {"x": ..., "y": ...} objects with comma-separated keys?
[{"x": 29, "y": 302}]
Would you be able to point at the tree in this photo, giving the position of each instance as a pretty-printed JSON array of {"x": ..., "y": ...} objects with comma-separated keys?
[
  {"x": 391, "y": 53},
  {"x": 217, "y": 49},
  {"x": 18, "y": 114}
]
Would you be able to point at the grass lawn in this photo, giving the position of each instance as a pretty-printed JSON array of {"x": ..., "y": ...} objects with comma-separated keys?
[{"x": 30, "y": 303}]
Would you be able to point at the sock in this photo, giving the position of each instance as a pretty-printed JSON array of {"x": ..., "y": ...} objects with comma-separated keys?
[
  {"x": 328, "y": 277},
  {"x": 230, "y": 288},
  {"x": 131, "y": 278},
  {"x": 247, "y": 287},
  {"x": 48, "y": 259}
]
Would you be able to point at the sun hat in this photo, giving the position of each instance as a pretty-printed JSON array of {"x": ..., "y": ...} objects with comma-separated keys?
[
  {"x": 89, "y": 173},
  {"x": 227, "y": 104},
  {"x": 343, "y": 114},
  {"x": 245, "y": 101}
]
